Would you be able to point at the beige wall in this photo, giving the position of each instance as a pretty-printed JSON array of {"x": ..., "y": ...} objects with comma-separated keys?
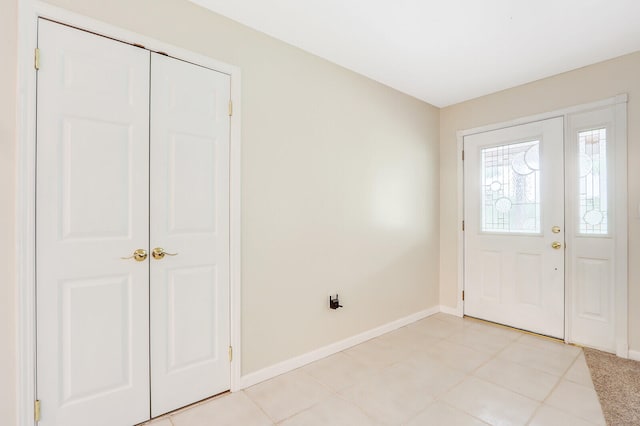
[
  {"x": 8, "y": 53},
  {"x": 339, "y": 180},
  {"x": 588, "y": 84}
]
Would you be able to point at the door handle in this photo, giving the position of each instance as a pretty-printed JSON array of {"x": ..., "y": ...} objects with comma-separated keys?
[
  {"x": 159, "y": 253},
  {"x": 556, "y": 245},
  {"x": 139, "y": 255}
]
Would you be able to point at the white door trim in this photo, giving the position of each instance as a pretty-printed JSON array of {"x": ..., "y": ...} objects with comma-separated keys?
[
  {"x": 622, "y": 232},
  {"x": 28, "y": 13},
  {"x": 621, "y": 268}
]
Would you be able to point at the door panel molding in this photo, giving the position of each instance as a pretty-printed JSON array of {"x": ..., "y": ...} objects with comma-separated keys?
[
  {"x": 28, "y": 12},
  {"x": 619, "y": 105}
]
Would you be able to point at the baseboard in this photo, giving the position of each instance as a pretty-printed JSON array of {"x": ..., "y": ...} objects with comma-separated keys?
[
  {"x": 450, "y": 311},
  {"x": 634, "y": 355},
  {"x": 304, "y": 359}
]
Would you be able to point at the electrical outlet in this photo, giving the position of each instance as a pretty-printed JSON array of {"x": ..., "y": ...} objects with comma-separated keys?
[{"x": 334, "y": 302}]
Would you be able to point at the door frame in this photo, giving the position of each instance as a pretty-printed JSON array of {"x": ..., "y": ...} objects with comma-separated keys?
[
  {"x": 619, "y": 103},
  {"x": 28, "y": 13}
]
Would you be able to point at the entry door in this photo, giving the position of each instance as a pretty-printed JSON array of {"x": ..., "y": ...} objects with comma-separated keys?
[
  {"x": 92, "y": 210},
  {"x": 189, "y": 221},
  {"x": 514, "y": 226}
]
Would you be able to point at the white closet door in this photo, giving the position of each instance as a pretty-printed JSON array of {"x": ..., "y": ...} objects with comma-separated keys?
[
  {"x": 91, "y": 210},
  {"x": 190, "y": 219}
]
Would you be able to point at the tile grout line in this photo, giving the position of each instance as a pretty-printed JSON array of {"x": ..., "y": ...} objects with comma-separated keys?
[
  {"x": 375, "y": 371},
  {"x": 578, "y": 383},
  {"x": 471, "y": 374},
  {"x": 544, "y": 401},
  {"x": 331, "y": 391},
  {"x": 563, "y": 378},
  {"x": 538, "y": 369},
  {"x": 535, "y": 412},
  {"x": 539, "y": 404},
  {"x": 258, "y": 406},
  {"x": 360, "y": 409},
  {"x": 312, "y": 378},
  {"x": 559, "y": 378},
  {"x": 463, "y": 411},
  {"x": 466, "y": 324}
]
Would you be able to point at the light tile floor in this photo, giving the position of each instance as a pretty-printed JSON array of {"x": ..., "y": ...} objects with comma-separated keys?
[{"x": 442, "y": 370}]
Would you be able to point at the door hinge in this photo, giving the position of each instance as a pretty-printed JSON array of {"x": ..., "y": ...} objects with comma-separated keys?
[
  {"x": 36, "y": 59},
  {"x": 230, "y": 353},
  {"x": 463, "y": 155},
  {"x": 463, "y": 225},
  {"x": 36, "y": 410},
  {"x": 230, "y": 107},
  {"x": 462, "y": 294}
]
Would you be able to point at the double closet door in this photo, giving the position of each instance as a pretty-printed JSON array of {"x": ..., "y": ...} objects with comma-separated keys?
[{"x": 132, "y": 231}]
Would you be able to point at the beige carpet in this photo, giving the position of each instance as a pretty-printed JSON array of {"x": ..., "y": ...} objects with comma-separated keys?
[{"x": 617, "y": 382}]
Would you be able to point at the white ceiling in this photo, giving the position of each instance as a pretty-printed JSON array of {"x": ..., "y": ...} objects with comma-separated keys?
[{"x": 448, "y": 51}]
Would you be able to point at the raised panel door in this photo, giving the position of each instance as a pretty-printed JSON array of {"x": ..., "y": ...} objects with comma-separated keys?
[
  {"x": 91, "y": 210},
  {"x": 514, "y": 226},
  {"x": 190, "y": 221}
]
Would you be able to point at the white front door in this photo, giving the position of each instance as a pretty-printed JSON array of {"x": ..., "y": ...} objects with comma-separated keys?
[
  {"x": 514, "y": 226},
  {"x": 190, "y": 221},
  {"x": 91, "y": 211}
]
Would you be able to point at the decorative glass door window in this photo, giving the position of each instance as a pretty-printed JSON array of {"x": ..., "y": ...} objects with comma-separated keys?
[
  {"x": 511, "y": 188},
  {"x": 592, "y": 170}
]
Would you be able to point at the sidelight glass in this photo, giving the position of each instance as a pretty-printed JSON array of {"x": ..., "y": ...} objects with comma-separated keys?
[{"x": 592, "y": 177}]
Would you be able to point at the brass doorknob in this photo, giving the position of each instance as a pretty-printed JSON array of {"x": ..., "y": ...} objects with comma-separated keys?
[
  {"x": 159, "y": 253},
  {"x": 555, "y": 229},
  {"x": 138, "y": 255},
  {"x": 556, "y": 245}
]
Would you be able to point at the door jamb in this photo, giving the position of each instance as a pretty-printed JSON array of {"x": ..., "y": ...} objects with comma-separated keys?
[
  {"x": 621, "y": 252},
  {"x": 28, "y": 13}
]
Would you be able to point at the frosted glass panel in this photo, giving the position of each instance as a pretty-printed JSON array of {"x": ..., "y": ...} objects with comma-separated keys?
[
  {"x": 511, "y": 188},
  {"x": 592, "y": 170}
]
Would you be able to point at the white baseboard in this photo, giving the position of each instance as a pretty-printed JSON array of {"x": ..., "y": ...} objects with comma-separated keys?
[
  {"x": 634, "y": 355},
  {"x": 304, "y": 359},
  {"x": 450, "y": 311}
]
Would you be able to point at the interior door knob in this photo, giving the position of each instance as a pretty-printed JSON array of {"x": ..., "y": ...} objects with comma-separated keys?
[
  {"x": 159, "y": 253},
  {"x": 556, "y": 245},
  {"x": 138, "y": 255}
]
